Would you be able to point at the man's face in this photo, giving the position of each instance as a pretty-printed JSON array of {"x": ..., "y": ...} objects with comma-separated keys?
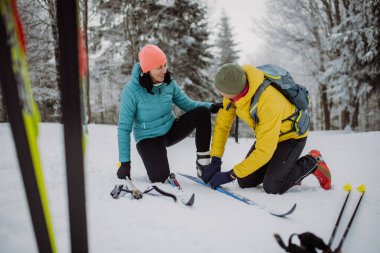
[{"x": 228, "y": 95}]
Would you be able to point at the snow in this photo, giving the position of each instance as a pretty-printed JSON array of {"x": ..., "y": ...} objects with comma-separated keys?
[{"x": 216, "y": 223}]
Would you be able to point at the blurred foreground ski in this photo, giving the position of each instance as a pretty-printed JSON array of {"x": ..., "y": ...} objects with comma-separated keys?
[{"x": 241, "y": 198}]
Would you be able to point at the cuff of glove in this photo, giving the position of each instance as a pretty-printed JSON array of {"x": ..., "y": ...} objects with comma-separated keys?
[
  {"x": 125, "y": 163},
  {"x": 232, "y": 175},
  {"x": 216, "y": 159}
]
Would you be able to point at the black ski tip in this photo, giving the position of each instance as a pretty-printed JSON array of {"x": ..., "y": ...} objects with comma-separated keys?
[
  {"x": 191, "y": 200},
  {"x": 281, "y": 215}
]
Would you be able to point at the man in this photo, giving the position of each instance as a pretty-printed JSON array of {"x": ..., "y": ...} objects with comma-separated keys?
[{"x": 274, "y": 158}]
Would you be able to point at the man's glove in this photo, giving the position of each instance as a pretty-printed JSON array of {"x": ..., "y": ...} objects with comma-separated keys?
[
  {"x": 215, "y": 107},
  {"x": 124, "y": 170},
  {"x": 222, "y": 178},
  {"x": 211, "y": 169}
]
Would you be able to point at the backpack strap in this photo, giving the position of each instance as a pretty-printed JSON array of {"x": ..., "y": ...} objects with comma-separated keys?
[
  {"x": 255, "y": 100},
  {"x": 300, "y": 119}
]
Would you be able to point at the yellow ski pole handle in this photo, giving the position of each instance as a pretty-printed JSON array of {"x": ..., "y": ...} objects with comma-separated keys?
[
  {"x": 361, "y": 188},
  {"x": 347, "y": 187}
]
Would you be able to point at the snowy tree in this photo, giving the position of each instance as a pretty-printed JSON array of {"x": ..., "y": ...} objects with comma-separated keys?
[
  {"x": 302, "y": 28},
  {"x": 226, "y": 53},
  {"x": 354, "y": 71},
  {"x": 226, "y": 46},
  {"x": 181, "y": 30},
  {"x": 41, "y": 34}
]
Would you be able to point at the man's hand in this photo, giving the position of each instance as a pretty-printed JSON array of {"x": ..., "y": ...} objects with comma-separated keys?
[
  {"x": 211, "y": 169},
  {"x": 215, "y": 107},
  {"x": 222, "y": 178}
]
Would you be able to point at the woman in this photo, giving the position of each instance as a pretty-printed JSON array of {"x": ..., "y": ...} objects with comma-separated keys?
[{"x": 146, "y": 107}]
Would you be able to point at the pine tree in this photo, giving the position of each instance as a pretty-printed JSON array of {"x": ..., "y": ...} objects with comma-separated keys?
[
  {"x": 181, "y": 30},
  {"x": 225, "y": 42},
  {"x": 354, "y": 71}
]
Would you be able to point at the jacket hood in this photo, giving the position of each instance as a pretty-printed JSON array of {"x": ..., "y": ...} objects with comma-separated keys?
[{"x": 136, "y": 72}]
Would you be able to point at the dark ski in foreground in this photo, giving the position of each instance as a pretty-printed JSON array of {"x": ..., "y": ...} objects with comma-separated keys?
[
  {"x": 69, "y": 83},
  {"x": 240, "y": 197},
  {"x": 187, "y": 199}
]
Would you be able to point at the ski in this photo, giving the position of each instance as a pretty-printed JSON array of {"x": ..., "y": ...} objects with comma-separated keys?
[
  {"x": 121, "y": 190},
  {"x": 186, "y": 199},
  {"x": 242, "y": 198},
  {"x": 24, "y": 117}
]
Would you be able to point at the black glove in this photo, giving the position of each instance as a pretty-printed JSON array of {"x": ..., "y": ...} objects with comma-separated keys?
[
  {"x": 124, "y": 170},
  {"x": 214, "y": 108},
  {"x": 211, "y": 169},
  {"x": 220, "y": 178}
]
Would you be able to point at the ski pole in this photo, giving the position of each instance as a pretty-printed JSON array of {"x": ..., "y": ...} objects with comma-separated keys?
[
  {"x": 347, "y": 188},
  {"x": 361, "y": 189}
]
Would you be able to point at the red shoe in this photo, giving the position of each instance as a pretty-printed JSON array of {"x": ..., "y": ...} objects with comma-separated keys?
[{"x": 322, "y": 173}]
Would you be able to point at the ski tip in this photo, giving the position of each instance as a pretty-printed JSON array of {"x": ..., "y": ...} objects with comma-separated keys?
[
  {"x": 191, "y": 200},
  {"x": 282, "y": 215},
  {"x": 347, "y": 187},
  {"x": 361, "y": 188}
]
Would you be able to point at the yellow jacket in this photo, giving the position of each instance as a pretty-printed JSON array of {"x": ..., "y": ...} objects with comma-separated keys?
[{"x": 273, "y": 108}]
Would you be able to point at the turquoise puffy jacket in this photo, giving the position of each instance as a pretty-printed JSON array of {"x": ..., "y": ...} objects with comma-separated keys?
[{"x": 148, "y": 115}]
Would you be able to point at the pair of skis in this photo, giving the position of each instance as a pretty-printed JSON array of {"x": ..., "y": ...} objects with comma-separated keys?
[
  {"x": 188, "y": 198},
  {"x": 123, "y": 189}
]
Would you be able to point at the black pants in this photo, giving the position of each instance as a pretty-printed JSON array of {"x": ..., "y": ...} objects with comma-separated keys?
[
  {"x": 153, "y": 150},
  {"x": 283, "y": 170}
]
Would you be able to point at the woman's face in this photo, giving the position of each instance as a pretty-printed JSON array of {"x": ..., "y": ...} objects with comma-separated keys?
[{"x": 158, "y": 74}]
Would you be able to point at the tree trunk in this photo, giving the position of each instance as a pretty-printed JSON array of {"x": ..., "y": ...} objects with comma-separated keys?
[
  {"x": 325, "y": 106},
  {"x": 355, "y": 115},
  {"x": 337, "y": 12},
  {"x": 52, "y": 10},
  {"x": 344, "y": 118}
]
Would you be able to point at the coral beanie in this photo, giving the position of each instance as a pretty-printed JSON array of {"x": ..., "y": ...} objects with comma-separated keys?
[{"x": 151, "y": 57}]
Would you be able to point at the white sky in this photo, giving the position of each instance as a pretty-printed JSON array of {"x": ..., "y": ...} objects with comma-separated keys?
[{"x": 241, "y": 14}]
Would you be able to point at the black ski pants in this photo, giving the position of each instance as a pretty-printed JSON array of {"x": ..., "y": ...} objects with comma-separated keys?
[
  {"x": 284, "y": 169},
  {"x": 153, "y": 150}
]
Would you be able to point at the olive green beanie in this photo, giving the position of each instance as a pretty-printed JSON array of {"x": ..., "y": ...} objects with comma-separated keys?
[{"x": 230, "y": 79}]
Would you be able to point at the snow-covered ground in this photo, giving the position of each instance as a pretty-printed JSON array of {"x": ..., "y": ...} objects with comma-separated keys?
[{"x": 216, "y": 223}]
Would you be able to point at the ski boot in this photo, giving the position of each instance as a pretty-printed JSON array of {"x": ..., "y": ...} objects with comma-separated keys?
[
  {"x": 203, "y": 159},
  {"x": 322, "y": 172}
]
